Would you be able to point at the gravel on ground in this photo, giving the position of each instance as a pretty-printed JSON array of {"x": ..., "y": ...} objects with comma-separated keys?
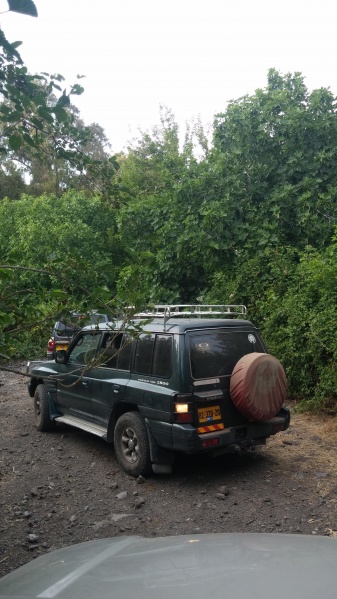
[{"x": 66, "y": 487}]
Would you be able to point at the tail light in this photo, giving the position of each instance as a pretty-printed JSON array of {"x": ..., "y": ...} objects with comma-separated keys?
[
  {"x": 51, "y": 345},
  {"x": 211, "y": 442},
  {"x": 183, "y": 408}
]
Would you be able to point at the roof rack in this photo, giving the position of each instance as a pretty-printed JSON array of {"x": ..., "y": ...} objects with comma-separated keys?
[{"x": 167, "y": 311}]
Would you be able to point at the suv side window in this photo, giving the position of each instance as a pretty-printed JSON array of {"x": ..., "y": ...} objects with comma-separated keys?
[
  {"x": 154, "y": 355},
  {"x": 116, "y": 349},
  {"x": 162, "y": 357},
  {"x": 124, "y": 356},
  {"x": 144, "y": 351}
]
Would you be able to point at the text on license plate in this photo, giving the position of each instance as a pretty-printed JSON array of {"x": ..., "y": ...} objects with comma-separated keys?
[
  {"x": 209, "y": 414},
  {"x": 62, "y": 346}
]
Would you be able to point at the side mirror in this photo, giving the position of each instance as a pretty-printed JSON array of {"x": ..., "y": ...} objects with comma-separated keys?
[{"x": 61, "y": 356}]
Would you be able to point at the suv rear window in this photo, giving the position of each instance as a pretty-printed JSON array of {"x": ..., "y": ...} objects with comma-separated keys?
[
  {"x": 215, "y": 354},
  {"x": 154, "y": 355},
  {"x": 62, "y": 328}
]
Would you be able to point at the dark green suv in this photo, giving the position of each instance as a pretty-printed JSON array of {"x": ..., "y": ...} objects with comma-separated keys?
[{"x": 195, "y": 379}]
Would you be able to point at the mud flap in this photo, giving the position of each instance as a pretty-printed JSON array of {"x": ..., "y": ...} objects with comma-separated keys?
[
  {"x": 52, "y": 409},
  {"x": 161, "y": 459}
]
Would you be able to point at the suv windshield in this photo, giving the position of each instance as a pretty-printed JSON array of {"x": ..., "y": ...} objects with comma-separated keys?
[{"x": 215, "y": 354}]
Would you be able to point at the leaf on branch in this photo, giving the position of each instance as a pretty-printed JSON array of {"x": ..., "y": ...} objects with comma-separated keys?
[
  {"x": 40, "y": 77},
  {"x": 15, "y": 142},
  {"x": 61, "y": 153},
  {"x": 28, "y": 139},
  {"x": 59, "y": 294},
  {"x": 45, "y": 114},
  {"x": 112, "y": 160},
  {"x": 36, "y": 123},
  {"x": 57, "y": 77},
  {"x": 63, "y": 100},
  {"x": 12, "y": 117},
  {"x": 77, "y": 89},
  {"x": 60, "y": 114},
  {"x": 24, "y": 7},
  {"x": 8, "y": 47}
]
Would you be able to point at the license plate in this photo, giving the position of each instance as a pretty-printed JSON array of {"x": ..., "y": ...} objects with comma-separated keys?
[
  {"x": 61, "y": 346},
  {"x": 209, "y": 414}
]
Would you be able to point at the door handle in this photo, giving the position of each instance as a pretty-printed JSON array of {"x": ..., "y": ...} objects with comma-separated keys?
[{"x": 116, "y": 388}]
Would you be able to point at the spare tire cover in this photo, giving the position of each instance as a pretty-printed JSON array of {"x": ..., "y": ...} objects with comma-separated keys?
[{"x": 258, "y": 386}]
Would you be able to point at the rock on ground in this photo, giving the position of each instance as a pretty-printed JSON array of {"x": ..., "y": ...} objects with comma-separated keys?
[{"x": 66, "y": 487}]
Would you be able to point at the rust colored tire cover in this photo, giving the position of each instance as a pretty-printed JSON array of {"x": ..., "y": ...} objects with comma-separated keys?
[{"x": 258, "y": 386}]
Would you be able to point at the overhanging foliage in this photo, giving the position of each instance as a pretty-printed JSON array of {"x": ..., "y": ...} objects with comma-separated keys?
[{"x": 253, "y": 221}]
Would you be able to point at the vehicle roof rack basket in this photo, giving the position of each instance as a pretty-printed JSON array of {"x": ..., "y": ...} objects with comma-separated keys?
[{"x": 167, "y": 311}]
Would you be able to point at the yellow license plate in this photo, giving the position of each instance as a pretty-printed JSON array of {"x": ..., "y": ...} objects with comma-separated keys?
[
  {"x": 61, "y": 346},
  {"x": 209, "y": 414}
]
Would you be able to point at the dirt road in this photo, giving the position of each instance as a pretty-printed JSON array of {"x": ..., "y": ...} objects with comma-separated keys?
[{"x": 65, "y": 487}]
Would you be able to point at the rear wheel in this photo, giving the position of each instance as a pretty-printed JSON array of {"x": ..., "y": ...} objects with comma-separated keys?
[
  {"x": 42, "y": 418},
  {"x": 132, "y": 444}
]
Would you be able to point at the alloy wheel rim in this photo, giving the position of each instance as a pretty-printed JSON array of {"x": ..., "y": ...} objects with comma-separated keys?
[{"x": 130, "y": 447}]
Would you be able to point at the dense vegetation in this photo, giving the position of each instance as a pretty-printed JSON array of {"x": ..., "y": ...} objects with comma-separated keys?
[{"x": 249, "y": 218}]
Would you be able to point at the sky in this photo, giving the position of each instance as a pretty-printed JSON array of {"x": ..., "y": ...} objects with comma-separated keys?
[{"x": 192, "y": 56}]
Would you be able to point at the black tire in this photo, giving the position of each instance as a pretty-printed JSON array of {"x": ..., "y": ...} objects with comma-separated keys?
[
  {"x": 132, "y": 444},
  {"x": 42, "y": 418}
]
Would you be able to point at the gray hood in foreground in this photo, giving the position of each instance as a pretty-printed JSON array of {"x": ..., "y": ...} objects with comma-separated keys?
[{"x": 214, "y": 566}]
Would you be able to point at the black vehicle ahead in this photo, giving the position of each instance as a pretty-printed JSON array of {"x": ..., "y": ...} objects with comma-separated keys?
[
  {"x": 189, "y": 382},
  {"x": 65, "y": 330}
]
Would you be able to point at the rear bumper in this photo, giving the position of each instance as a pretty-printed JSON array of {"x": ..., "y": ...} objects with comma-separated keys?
[{"x": 184, "y": 437}]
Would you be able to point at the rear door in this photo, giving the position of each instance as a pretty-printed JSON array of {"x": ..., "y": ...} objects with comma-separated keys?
[
  {"x": 151, "y": 384},
  {"x": 111, "y": 375},
  {"x": 212, "y": 356}
]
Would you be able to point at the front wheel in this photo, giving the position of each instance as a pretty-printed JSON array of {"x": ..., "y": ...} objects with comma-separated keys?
[
  {"x": 42, "y": 418},
  {"x": 132, "y": 444}
]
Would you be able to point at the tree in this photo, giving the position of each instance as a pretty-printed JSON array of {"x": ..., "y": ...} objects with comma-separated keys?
[
  {"x": 36, "y": 124},
  {"x": 12, "y": 183},
  {"x": 33, "y": 128},
  {"x": 275, "y": 155},
  {"x": 49, "y": 174},
  {"x": 300, "y": 323},
  {"x": 59, "y": 254},
  {"x": 167, "y": 185}
]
